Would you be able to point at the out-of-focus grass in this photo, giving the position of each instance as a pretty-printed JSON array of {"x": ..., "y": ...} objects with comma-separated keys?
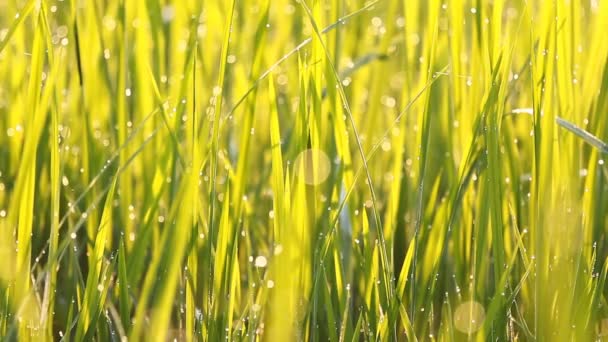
[{"x": 311, "y": 170}]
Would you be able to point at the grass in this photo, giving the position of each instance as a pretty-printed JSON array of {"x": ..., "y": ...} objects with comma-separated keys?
[{"x": 339, "y": 170}]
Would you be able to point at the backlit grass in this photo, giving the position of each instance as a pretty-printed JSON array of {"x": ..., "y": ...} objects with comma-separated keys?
[{"x": 339, "y": 170}]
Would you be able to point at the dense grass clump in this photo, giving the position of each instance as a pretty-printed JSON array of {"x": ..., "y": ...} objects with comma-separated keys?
[{"x": 303, "y": 170}]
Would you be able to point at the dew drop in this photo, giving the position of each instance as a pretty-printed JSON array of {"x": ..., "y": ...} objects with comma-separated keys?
[{"x": 260, "y": 261}]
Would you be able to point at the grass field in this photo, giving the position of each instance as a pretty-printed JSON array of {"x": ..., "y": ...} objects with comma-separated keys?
[{"x": 323, "y": 170}]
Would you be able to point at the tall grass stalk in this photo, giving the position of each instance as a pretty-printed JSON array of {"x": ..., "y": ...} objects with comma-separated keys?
[{"x": 338, "y": 170}]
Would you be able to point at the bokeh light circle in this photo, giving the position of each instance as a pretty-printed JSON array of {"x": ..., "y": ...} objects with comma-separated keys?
[
  {"x": 469, "y": 317},
  {"x": 312, "y": 166}
]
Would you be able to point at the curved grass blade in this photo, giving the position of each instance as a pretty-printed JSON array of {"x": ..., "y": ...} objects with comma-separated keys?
[
  {"x": 572, "y": 128},
  {"x": 583, "y": 134},
  {"x": 19, "y": 17},
  {"x": 388, "y": 280}
]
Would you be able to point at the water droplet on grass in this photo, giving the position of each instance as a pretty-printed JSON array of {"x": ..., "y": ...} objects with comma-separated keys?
[
  {"x": 260, "y": 261},
  {"x": 167, "y": 13}
]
